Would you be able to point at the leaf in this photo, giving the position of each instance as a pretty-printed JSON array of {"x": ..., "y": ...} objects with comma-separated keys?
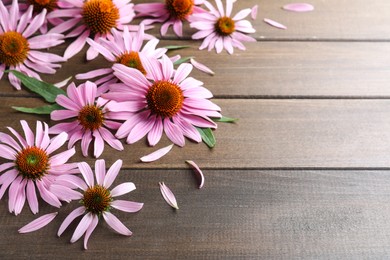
[
  {"x": 175, "y": 47},
  {"x": 48, "y": 91},
  {"x": 43, "y": 110},
  {"x": 225, "y": 119},
  {"x": 182, "y": 60},
  {"x": 207, "y": 136}
]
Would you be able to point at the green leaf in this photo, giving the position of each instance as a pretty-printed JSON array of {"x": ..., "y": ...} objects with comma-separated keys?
[
  {"x": 182, "y": 60},
  {"x": 176, "y": 47},
  {"x": 207, "y": 136},
  {"x": 48, "y": 91},
  {"x": 225, "y": 119},
  {"x": 44, "y": 110}
]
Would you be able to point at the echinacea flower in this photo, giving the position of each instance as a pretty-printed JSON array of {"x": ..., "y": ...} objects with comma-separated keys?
[
  {"x": 91, "y": 119},
  {"x": 169, "y": 102},
  {"x": 32, "y": 165},
  {"x": 124, "y": 48},
  {"x": 97, "y": 200},
  {"x": 172, "y": 12},
  {"x": 19, "y": 44},
  {"x": 221, "y": 31},
  {"x": 92, "y": 18}
]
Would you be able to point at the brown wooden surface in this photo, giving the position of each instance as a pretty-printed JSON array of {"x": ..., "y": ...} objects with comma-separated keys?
[{"x": 304, "y": 173}]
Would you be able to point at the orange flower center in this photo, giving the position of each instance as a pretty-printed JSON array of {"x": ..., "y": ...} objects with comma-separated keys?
[
  {"x": 100, "y": 15},
  {"x": 39, "y": 5},
  {"x": 91, "y": 117},
  {"x": 32, "y": 162},
  {"x": 225, "y": 26},
  {"x": 13, "y": 48},
  {"x": 179, "y": 9},
  {"x": 132, "y": 60},
  {"x": 97, "y": 199},
  {"x": 164, "y": 98}
]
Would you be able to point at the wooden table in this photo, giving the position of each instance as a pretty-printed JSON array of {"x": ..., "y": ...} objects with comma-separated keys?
[{"x": 304, "y": 174}]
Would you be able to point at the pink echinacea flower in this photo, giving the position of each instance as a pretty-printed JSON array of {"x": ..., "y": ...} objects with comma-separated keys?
[
  {"x": 19, "y": 44},
  {"x": 97, "y": 200},
  {"x": 32, "y": 165},
  {"x": 221, "y": 31},
  {"x": 168, "y": 102},
  {"x": 91, "y": 119}
]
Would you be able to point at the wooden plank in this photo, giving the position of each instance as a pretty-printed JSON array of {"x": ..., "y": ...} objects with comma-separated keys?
[
  {"x": 238, "y": 214},
  {"x": 331, "y": 20},
  {"x": 269, "y": 134},
  {"x": 270, "y": 69}
]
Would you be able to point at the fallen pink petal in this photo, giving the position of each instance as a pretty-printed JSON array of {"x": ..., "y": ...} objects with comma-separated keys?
[
  {"x": 168, "y": 195},
  {"x": 298, "y": 7},
  {"x": 254, "y": 12},
  {"x": 201, "y": 67},
  {"x": 157, "y": 154},
  {"x": 275, "y": 24},
  {"x": 198, "y": 173},
  {"x": 38, "y": 223}
]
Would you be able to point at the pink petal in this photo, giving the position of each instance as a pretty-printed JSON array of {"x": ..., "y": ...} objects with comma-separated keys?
[
  {"x": 201, "y": 67},
  {"x": 112, "y": 173},
  {"x": 100, "y": 171},
  {"x": 38, "y": 223},
  {"x": 28, "y": 133},
  {"x": 32, "y": 197},
  {"x": 63, "y": 157},
  {"x": 168, "y": 195},
  {"x": 116, "y": 224},
  {"x": 47, "y": 195},
  {"x": 57, "y": 142},
  {"x": 87, "y": 173},
  {"x": 298, "y": 7},
  {"x": 98, "y": 144},
  {"x": 174, "y": 133},
  {"x": 85, "y": 141},
  {"x": 254, "y": 12},
  {"x": 275, "y": 24},
  {"x": 90, "y": 229},
  {"x": 81, "y": 227},
  {"x": 122, "y": 189},
  {"x": 157, "y": 154},
  {"x": 74, "y": 214},
  {"x": 76, "y": 46},
  {"x": 127, "y": 206},
  {"x": 64, "y": 193},
  {"x": 198, "y": 173}
]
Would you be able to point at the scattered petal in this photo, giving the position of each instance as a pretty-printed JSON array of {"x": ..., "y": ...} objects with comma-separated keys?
[
  {"x": 254, "y": 12},
  {"x": 38, "y": 223},
  {"x": 201, "y": 67},
  {"x": 298, "y": 7},
  {"x": 157, "y": 154},
  {"x": 275, "y": 24},
  {"x": 168, "y": 195},
  {"x": 198, "y": 173}
]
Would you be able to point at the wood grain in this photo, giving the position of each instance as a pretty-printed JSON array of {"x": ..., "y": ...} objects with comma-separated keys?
[{"x": 238, "y": 214}]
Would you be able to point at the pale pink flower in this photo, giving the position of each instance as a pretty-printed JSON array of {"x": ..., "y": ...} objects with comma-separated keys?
[
  {"x": 91, "y": 118},
  {"x": 19, "y": 44},
  {"x": 171, "y": 13},
  {"x": 32, "y": 165},
  {"x": 97, "y": 200},
  {"x": 168, "y": 102},
  {"x": 92, "y": 18},
  {"x": 125, "y": 48},
  {"x": 221, "y": 31}
]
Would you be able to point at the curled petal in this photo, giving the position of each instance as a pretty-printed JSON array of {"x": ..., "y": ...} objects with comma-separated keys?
[
  {"x": 168, "y": 195},
  {"x": 198, "y": 173},
  {"x": 157, "y": 154},
  {"x": 38, "y": 223},
  {"x": 298, "y": 7},
  {"x": 201, "y": 67},
  {"x": 275, "y": 24}
]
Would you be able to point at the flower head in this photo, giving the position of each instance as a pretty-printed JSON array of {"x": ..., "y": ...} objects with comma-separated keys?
[
  {"x": 124, "y": 48},
  {"x": 19, "y": 45},
  {"x": 221, "y": 31},
  {"x": 97, "y": 200},
  {"x": 32, "y": 165},
  {"x": 91, "y": 118},
  {"x": 169, "y": 101},
  {"x": 94, "y": 18},
  {"x": 172, "y": 12}
]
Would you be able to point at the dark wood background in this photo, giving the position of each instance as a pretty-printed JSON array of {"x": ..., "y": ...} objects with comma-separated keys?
[{"x": 304, "y": 174}]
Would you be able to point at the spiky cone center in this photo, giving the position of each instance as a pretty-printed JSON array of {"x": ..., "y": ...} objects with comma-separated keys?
[
  {"x": 14, "y": 48},
  {"x": 131, "y": 59},
  {"x": 97, "y": 199},
  {"x": 180, "y": 9},
  {"x": 225, "y": 26},
  {"x": 165, "y": 98},
  {"x": 91, "y": 117},
  {"x": 100, "y": 16},
  {"x": 39, "y": 5},
  {"x": 32, "y": 162}
]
